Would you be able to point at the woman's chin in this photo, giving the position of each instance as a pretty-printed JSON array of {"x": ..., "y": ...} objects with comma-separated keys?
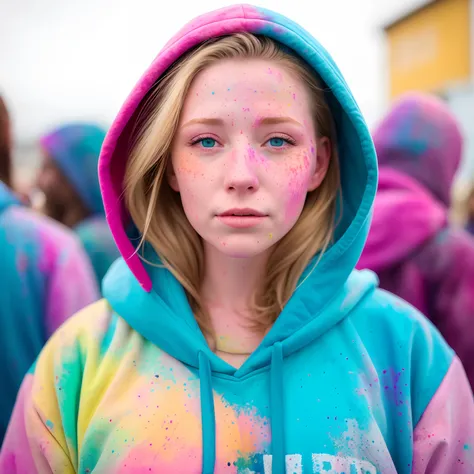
[{"x": 243, "y": 247}]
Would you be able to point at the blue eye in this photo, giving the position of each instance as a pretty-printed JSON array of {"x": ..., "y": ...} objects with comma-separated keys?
[
  {"x": 277, "y": 142},
  {"x": 208, "y": 142}
]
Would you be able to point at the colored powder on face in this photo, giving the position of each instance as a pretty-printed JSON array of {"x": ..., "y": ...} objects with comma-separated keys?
[
  {"x": 296, "y": 187},
  {"x": 277, "y": 74},
  {"x": 257, "y": 122},
  {"x": 270, "y": 236},
  {"x": 49, "y": 424},
  {"x": 256, "y": 159},
  {"x": 212, "y": 92},
  {"x": 294, "y": 201}
]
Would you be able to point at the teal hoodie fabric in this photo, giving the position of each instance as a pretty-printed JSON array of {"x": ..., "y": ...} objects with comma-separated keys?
[{"x": 349, "y": 379}]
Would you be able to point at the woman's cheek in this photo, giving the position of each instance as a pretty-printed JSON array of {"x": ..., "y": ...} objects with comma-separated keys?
[
  {"x": 187, "y": 166},
  {"x": 297, "y": 174},
  {"x": 295, "y": 198}
]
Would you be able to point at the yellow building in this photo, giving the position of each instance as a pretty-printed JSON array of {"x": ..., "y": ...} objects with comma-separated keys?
[{"x": 430, "y": 49}]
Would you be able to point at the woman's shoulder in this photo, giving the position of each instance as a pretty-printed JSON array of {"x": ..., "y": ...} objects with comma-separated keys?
[
  {"x": 399, "y": 338},
  {"x": 389, "y": 316},
  {"x": 88, "y": 335}
]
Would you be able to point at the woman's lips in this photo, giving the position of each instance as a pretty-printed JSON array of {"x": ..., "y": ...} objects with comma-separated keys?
[{"x": 241, "y": 221}]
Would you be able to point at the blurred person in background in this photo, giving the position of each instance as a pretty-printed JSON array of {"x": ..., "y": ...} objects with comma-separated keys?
[
  {"x": 6, "y": 166},
  {"x": 46, "y": 278},
  {"x": 69, "y": 181},
  {"x": 5, "y": 145},
  {"x": 470, "y": 211},
  {"x": 412, "y": 247}
]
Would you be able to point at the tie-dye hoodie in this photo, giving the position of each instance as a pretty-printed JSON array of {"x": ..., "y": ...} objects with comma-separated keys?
[
  {"x": 415, "y": 252},
  {"x": 75, "y": 148},
  {"x": 348, "y": 380},
  {"x": 46, "y": 278}
]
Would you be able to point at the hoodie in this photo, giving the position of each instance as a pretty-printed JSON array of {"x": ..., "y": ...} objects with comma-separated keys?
[
  {"x": 37, "y": 257},
  {"x": 130, "y": 384},
  {"x": 422, "y": 258},
  {"x": 75, "y": 148}
]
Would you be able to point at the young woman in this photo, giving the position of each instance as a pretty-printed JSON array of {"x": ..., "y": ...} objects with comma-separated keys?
[{"x": 235, "y": 336}]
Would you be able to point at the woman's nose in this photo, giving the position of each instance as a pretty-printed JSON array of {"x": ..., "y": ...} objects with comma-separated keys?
[{"x": 241, "y": 173}]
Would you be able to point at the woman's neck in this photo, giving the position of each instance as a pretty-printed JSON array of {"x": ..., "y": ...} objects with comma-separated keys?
[
  {"x": 227, "y": 289},
  {"x": 229, "y": 281}
]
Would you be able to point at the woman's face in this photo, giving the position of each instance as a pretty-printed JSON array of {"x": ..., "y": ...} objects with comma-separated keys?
[{"x": 245, "y": 155}]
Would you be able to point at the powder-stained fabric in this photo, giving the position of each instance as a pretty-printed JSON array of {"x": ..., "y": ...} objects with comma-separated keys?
[
  {"x": 415, "y": 252},
  {"x": 46, "y": 278}
]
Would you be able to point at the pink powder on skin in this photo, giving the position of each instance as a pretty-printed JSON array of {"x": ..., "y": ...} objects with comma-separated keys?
[
  {"x": 257, "y": 159},
  {"x": 297, "y": 186},
  {"x": 277, "y": 74}
]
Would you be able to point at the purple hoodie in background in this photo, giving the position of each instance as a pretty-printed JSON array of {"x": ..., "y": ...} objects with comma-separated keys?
[{"x": 412, "y": 248}]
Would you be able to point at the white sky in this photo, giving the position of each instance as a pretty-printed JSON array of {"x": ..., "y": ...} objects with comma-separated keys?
[{"x": 68, "y": 59}]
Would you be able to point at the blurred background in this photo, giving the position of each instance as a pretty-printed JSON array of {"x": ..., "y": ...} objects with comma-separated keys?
[{"x": 63, "y": 60}]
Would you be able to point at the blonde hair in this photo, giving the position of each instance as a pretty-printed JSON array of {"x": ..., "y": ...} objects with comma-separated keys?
[{"x": 157, "y": 211}]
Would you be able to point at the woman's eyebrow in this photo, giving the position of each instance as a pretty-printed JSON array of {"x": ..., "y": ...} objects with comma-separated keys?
[{"x": 204, "y": 121}]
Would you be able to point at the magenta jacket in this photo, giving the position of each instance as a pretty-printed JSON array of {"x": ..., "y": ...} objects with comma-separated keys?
[{"x": 415, "y": 252}]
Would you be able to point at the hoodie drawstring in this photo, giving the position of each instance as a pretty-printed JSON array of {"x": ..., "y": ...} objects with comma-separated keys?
[
  {"x": 276, "y": 413},
  {"x": 208, "y": 418},
  {"x": 276, "y": 410}
]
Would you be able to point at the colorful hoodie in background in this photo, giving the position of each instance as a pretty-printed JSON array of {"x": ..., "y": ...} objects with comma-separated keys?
[
  {"x": 349, "y": 379},
  {"x": 75, "y": 148},
  {"x": 45, "y": 278},
  {"x": 412, "y": 248}
]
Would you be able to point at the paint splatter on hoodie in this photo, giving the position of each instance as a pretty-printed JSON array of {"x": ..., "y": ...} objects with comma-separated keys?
[
  {"x": 349, "y": 379},
  {"x": 415, "y": 252},
  {"x": 46, "y": 278}
]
